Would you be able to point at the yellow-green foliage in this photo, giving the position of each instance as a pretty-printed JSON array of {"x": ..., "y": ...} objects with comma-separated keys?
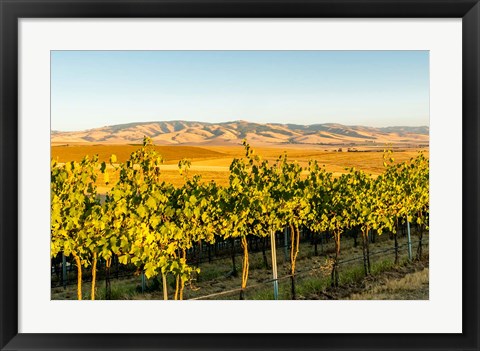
[{"x": 150, "y": 222}]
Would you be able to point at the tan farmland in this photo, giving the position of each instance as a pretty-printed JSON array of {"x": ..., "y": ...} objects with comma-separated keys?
[{"x": 212, "y": 162}]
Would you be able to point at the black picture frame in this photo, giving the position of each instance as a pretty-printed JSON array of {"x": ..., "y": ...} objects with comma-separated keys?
[{"x": 11, "y": 11}]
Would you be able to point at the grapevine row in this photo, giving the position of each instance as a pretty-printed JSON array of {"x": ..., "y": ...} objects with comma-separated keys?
[{"x": 151, "y": 224}]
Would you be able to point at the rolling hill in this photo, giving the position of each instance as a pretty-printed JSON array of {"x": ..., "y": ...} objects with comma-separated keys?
[{"x": 232, "y": 133}]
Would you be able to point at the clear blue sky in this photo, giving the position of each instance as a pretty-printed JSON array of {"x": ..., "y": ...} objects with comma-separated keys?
[{"x": 92, "y": 89}]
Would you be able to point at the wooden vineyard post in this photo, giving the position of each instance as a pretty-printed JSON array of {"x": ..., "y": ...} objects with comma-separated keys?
[
  {"x": 143, "y": 281},
  {"x": 232, "y": 252},
  {"x": 64, "y": 271},
  {"x": 79, "y": 277},
  {"x": 94, "y": 275},
  {"x": 409, "y": 241},
  {"x": 285, "y": 233},
  {"x": 108, "y": 286},
  {"x": 164, "y": 282},
  {"x": 274, "y": 265}
]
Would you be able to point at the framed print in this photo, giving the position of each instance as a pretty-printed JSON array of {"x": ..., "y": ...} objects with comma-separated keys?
[{"x": 259, "y": 175}]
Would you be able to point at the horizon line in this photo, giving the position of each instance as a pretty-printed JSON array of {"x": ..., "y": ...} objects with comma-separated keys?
[{"x": 240, "y": 121}]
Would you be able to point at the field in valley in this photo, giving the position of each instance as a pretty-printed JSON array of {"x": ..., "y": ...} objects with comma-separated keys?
[{"x": 212, "y": 162}]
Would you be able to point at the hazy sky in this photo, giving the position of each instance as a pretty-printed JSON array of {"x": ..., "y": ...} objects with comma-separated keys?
[{"x": 92, "y": 89}]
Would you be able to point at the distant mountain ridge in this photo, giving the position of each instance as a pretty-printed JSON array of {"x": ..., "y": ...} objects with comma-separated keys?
[{"x": 232, "y": 133}]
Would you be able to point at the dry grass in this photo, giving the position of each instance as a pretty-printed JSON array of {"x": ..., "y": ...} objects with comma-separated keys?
[{"x": 413, "y": 286}]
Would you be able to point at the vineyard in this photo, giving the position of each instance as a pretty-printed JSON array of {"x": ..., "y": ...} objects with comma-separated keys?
[{"x": 160, "y": 230}]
